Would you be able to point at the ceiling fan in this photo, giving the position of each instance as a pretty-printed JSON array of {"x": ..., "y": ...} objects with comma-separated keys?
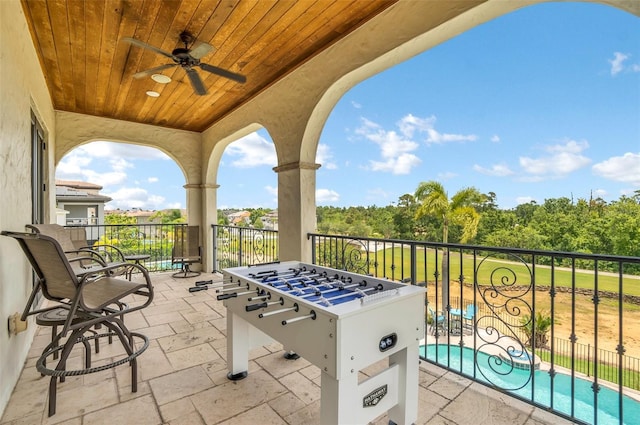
[{"x": 188, "y": 59}]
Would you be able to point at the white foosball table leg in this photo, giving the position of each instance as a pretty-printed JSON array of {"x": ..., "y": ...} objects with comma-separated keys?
[
  {"x": 406, "y": 411},
  {"x": 339, "y": 400},
  {"x": 238, "y": 344}
]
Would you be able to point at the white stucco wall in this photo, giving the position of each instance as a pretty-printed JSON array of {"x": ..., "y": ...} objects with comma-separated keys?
[{"x": 22, "y": 88}]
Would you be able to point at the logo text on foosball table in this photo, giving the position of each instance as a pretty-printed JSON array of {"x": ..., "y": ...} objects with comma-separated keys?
[{"x": 374, "y": 397}]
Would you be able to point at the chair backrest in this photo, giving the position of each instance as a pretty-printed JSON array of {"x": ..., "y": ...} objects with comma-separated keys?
[
  {"x": 58, "y": 280},
  {"x": 471, "y": 310},
  {"x": 59, "y": 233},
  {"x": 186, "y": 242},
  {"x": 78, "y": 236}
]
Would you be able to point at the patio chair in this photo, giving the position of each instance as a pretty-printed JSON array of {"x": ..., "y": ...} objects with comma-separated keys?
[
  {"x": 438, "y": 322},
  {"x": 89, "y": 300},
  {"x": 469, "y": 316},
  {"x": 186, "y": 250},
  {"x": 73, "y": 241}
]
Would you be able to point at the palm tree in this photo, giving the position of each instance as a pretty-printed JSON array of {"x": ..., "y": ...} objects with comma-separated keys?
[{"x": 460, "y": 210}]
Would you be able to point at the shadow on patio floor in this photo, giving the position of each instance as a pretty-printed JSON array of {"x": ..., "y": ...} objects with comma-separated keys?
[{"x": 182, "y": 379}]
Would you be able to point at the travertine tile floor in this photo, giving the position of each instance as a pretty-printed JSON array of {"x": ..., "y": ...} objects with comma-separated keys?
[{"x": 182, "y": 379}]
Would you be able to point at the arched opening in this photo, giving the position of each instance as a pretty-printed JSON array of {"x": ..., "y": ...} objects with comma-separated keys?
[
  {"x": 246, "y": 175},
  {"x": 136, "y": 178},
  {"x": 534, "y": 104}
]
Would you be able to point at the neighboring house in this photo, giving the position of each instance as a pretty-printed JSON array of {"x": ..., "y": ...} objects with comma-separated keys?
[
  {"x": 141, "y": 216},
  {"x": 270, "y": 220},
  {"x": 145, "y": 216},
  {"x": 240, "y": 218},
  {"x": 79, "y": 203}
]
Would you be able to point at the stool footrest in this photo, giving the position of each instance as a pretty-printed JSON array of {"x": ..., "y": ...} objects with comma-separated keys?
[{"x": 40, "y": 364}]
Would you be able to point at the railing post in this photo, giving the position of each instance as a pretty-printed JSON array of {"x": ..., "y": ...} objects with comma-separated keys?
[
  {"x": 215, "y": 247},
  {"x": 313, "y": 248},
  {"x": 240, "y": 247},
  {"x": 589, "y": 360},
  {"x": 414, "y": 267}
]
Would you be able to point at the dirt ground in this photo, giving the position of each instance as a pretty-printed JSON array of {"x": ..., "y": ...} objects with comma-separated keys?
[{"x": 608, "y": 318}]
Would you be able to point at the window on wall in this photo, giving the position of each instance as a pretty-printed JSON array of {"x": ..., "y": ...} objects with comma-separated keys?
[{"x": 38, "y": 188}]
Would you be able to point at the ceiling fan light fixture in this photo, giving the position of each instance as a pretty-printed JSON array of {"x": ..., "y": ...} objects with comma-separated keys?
[
  {"x": 161, "y": 78},
  {"x": 152, "y": 93}
]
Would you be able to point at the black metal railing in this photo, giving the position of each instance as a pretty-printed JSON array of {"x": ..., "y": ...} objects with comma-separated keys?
[
  {"x": 154, "y": 240},
  {"x": 530, "y": 323},
  {"x": 550, "y": 328},
  {"x": 242, "y": 246}
]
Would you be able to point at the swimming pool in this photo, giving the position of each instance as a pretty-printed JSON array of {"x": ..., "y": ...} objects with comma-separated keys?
[{"x": 518, "y": 381}]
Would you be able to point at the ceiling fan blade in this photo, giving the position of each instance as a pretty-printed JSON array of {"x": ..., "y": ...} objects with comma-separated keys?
[
  {"x": 147, "y": 46},
  {"x": 202, "y": 50},
  {"x": 196, "y": 82},
  {"x": 155, "y": 70},
  {"x": 223, "y": 73}
]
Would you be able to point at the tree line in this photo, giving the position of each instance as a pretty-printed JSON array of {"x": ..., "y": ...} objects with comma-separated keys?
[{"x": 558, "y": 224}]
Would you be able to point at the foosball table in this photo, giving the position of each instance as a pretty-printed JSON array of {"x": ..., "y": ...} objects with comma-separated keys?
[{"x": 341, "y": 322}]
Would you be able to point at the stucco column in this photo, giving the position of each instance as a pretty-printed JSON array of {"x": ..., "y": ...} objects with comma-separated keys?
[
  {"x": 194, "y": 211},
  {"x": 296, "y": 209},
  {"x": 209, "y": 217}
]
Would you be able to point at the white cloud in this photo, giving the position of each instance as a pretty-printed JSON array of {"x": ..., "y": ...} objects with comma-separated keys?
[
  {"x": 400, "y": 165},
  {"x": 563, "y": 159},
  {"x": 394, "y": 148},
  {"x": 436, "y": 137},
  {"x": 617, "y": 63},
  {"x": 495, "y": 138},
  {"x": 524, "y": 199},
  {"x": 78, "y": 165},
  {"x": 497, "y": 170},
  {"x": 152, "y": 180},
  {"x": 411, "y": 124},
  {"x": 324, "y": 156},
  {"x": 134, "y": 197},
  {"x": 625, "y": 168},
  {"x": 115, "y": 157},
  {"x": 377, "y": 194},
  {"x": 326, "y": 195},
  {"x": 600, "y": 193},
  {"x": 71, "y": 166},
  {"x": 253, "y": 150},
  {"x": 446, "y": 176},
  {"x": 271, "y": 190},
  {"x": 120, "y": 164},
  {"x": 355, "y": 104}
]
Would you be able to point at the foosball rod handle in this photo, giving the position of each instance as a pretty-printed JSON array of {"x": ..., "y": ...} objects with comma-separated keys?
[{"x": 254, "y": 307}]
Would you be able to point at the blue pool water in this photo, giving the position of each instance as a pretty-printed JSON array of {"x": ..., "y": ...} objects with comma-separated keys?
[{"x": 517, "y": 381}]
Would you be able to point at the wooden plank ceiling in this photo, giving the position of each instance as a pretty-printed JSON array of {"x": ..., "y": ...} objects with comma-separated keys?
[{"x": 89, "y": 68}]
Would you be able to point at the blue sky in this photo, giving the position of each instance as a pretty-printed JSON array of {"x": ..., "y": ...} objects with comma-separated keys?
[{"x": 541, "y": 103}]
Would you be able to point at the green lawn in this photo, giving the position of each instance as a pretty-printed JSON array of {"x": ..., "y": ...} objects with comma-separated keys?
[
  {"x": 607, "y": 372},
  {"x": 391, "y": 261}
]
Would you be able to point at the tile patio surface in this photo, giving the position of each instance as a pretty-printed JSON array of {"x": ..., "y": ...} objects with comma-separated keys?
[{"x": 182, "y": 379}]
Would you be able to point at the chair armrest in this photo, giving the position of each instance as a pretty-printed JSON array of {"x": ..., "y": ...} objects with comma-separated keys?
[
  {"x": 101, "y": 263},
  {"x": 110, "y": 250}
]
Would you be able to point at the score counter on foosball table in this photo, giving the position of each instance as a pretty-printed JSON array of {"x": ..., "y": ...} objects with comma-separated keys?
[{"x": 341, "y": 322}]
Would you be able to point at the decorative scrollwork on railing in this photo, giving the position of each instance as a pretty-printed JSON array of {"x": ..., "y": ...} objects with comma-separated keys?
[
  {"x": 508, "y": 297},
  {"x": 354, "y": 255},
  {"x": 348, "y": 254},
  {"x": 223, "y": 247},
  {"x": 262, "y": 248}
]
